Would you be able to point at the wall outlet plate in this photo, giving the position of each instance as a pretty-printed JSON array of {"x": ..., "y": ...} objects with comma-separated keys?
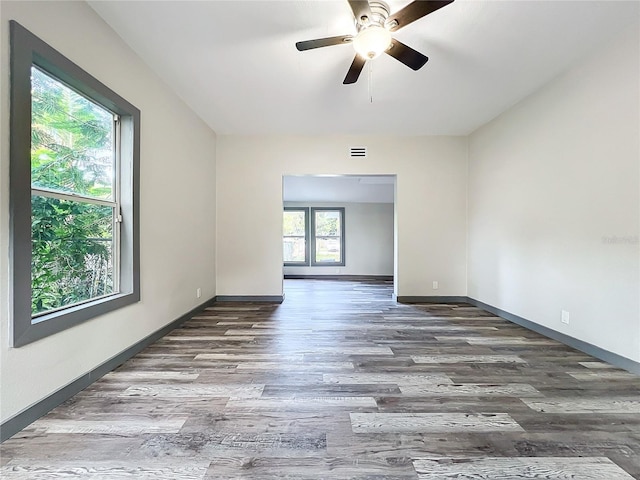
[{"x": 565, "y": 317}]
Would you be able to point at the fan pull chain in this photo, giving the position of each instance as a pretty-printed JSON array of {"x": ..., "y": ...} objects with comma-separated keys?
[{"x": 370, "y": 81}]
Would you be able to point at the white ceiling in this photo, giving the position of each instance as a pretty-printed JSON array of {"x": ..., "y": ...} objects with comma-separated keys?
[
  {"x": 339, "y": 188},
  {"x": 236, "y": 65}
]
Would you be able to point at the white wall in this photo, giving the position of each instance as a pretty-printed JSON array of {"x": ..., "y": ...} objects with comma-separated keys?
[
  {"x": 430, "y": 205},
  {"x": 177, "y": 213},
  {"x": 368, "y": 240},
  {"x": 551, "y": 182}
]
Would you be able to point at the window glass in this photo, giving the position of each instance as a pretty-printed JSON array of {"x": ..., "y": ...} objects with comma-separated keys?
[
  {"x": 72, "y": 253},
  {"x": 294, "y": 236},
  {"x": 72, "y": 163},
  {"x": 72, "y": 146},
  {"x": 294, "y": 223}
]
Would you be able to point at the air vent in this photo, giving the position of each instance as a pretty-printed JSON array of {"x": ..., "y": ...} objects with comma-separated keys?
[{"x": 358, "y": 152}]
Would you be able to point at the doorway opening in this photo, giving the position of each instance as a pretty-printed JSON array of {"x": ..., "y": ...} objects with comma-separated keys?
[{"x": 339, "y": 227}]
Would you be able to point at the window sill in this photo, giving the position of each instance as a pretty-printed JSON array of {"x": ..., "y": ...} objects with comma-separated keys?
[{"x": 54, "y": 322}]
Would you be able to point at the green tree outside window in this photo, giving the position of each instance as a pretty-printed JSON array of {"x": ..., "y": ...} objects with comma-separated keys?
[{"x": 73, "y": 199}]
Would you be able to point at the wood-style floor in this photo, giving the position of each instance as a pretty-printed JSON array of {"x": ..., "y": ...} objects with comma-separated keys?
[{"x": 341, "y": 382}]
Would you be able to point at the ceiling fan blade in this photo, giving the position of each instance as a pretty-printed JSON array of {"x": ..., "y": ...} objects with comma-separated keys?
[
  {"x": 323, "y": 42},
  {"x": 413, "y": 12},
  {"x": 407, "y": 55},
  {"x": 360, "y": 9},
  {"x": 354, "y": 70}
]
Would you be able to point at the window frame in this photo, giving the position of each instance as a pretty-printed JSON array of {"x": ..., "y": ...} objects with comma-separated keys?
[
  {"x": 28, "y": 50},
  {"x": 310, "y": 237},
  {"x": 307, "y": 246},
  {"x": 314, "y": 237}
]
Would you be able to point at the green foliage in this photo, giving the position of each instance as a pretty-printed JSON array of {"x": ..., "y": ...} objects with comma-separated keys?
[
  {"x": 71, "y": 143},
  {"x": 71, "y": 140},
  {"x": 327, "y": 223},
  {"x": 293, "y": 223}
]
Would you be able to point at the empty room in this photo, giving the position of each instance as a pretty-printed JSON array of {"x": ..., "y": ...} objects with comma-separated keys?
[{"x": 320, "y": 239}]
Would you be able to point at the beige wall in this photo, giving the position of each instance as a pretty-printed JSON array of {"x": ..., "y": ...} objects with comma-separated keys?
[
  {"x": 551, "y": 183},
  {"x": 177, "y": 227},
  {"x": 430, "y": 205},
  {"x": 368, "y": 240}
]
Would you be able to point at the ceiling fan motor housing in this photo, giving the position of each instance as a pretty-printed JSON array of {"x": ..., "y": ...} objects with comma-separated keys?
[
  {"x": 373, "y": 37},
  {"x": 379, "y": 14}
]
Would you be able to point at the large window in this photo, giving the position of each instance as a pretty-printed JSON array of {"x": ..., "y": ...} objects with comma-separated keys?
[
  {"x": 74, "y": 162},
  {"x": 313, "y": 236},
  {"x": 295, "y": 236},
  {"x": 327, "y": 225}
]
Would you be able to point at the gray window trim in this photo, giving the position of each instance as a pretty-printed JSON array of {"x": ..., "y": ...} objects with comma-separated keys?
[
  {"x": 307, "y": 246},
  {"x": 28, "y": 50},
  {"x": 313, "y": 237}
]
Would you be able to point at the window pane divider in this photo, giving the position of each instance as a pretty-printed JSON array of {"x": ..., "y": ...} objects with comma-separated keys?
[{"x": 44, "y": 192}]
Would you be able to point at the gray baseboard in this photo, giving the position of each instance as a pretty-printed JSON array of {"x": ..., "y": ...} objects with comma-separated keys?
[
  {"x": 293, "y": 276},
  {"x": 431, "y": 299},
  {"x": 250, "y": 298},
  {"x": 588, "y": 348},
  {"x": 29, "y": 415}
]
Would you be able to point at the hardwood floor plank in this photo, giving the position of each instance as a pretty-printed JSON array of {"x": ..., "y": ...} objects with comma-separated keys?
[
  {"x": 311, "y": 468},
  {"x": 596, "y": 365},
  {"x": 476, "y": 390},
  {"x": 346, "y": 350},
  {"x": 605, "y": 375},
  {"x": 414, "y": 445},
  {"x": 432, "y": 422},
  {"x": 208, "y": 444},
  {"x": 171, "y": 391},
  {"x": 91, "y": 470},
  {"x": 297, "y": 367},
  {"x": 331, "y": 390},
  {"x": 577, "y": 422},
  {"x": 204, "y": 338},
  {"x": 387, "y": 378},
  {"x": 467, "y": 359},
  {"x": 124, "y": 376},
  {"x": 298, "y": 403},
  {"x": 582, "y": 405},
  {"x": 551, "y": 468},
  {"x": 238, "y": 357},
  {"x": 497, "y": 340},
  {"x": 131, "y": 426},
  {"x": 264, "y": 331},
  {"x": 234, "y": 308}
]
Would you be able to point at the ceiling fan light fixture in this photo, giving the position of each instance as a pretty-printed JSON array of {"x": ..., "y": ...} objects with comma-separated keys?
[{"x": 372, "y": 41}]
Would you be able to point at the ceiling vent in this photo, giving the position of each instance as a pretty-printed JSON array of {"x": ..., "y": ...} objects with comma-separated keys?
[{"x": 358, "y": 152}]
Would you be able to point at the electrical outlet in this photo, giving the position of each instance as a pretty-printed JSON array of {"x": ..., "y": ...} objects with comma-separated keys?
[
  {"x": 565, "y": 317},
  {"x": 435, "y": 285},
  {"x": 198, "y": 292}
]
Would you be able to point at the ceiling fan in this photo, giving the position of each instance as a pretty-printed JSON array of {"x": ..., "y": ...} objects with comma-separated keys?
[{"x": 374, "y": 25}]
